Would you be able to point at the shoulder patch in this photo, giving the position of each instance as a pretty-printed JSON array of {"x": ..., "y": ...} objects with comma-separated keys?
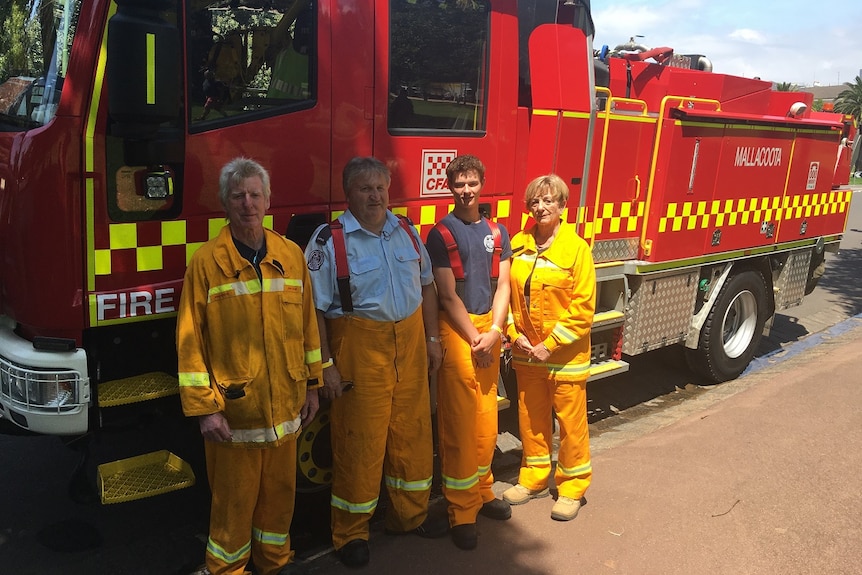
[{"x": 315, "y": 260}]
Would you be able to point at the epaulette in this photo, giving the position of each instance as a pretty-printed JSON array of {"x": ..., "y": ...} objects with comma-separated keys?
[{"x": 324, "y": 235}]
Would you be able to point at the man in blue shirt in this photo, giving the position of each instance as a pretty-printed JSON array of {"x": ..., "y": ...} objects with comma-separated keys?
[{"x": 379, "y": 338}]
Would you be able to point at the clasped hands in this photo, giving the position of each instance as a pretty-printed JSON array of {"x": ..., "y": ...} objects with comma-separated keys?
[
  {"x": 484, "y": 348},
  {"x": 538, "y": 353}
]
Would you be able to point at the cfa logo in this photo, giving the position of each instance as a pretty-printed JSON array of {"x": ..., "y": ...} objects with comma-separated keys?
[
  {"x": 434, "y": 164},
  {"x": 436, "y": 185},
  {"x": 146, "y": 301}
]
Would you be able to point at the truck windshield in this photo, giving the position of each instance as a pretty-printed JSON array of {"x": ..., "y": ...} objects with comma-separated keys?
[{"x": 34, "y": 55}]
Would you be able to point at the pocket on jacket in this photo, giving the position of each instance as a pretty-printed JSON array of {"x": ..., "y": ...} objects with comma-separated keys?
[
  {"x": 292, "y": 317},
  {"x": 557, "y": 287},
  {"x": 560, "y": 280}
]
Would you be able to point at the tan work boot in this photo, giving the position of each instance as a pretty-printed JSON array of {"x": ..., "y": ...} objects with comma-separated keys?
[
  {"x": 518, "y": 494},
  {"x": 565, "y": 508}
]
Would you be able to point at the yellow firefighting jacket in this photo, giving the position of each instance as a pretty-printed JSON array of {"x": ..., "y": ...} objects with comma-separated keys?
[
  {"x": 247, "y": 347},
  {"x": 562, "y": 300}
]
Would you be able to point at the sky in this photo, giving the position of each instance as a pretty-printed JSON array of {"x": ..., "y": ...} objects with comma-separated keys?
[{"x": 803, "y": 43}]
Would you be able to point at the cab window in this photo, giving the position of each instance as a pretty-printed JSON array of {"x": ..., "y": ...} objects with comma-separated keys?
[
  {"x": 249, "y": 59},
  {"x": 437, "y": 65},
  {"x": 34, "y": 55}
]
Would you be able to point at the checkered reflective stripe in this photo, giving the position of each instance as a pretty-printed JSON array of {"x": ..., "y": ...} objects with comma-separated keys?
[
  {"x": 719, "y": 213},
  {"x": 623, "y": 218},
  {"x": 153, "y": 246},
  {"x": 424, "y": 217}
]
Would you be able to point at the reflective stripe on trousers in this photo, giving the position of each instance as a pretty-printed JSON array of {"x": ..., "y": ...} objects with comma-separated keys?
[
  {"x": 540, "y": 396},
  {"x": 381, "y": 426},
  {"x": 467, "y": 422},
  {"x": 252, "y": 507}
]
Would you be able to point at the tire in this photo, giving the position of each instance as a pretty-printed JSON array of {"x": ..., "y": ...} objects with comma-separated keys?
[
  {"x": 815, "y": 271},
  {"x": 733, "y": 329},
  {"x": 314, "y": 455}
]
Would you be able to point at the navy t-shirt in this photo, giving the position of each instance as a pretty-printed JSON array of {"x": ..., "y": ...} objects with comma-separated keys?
[{"x": 476, "y": 247}]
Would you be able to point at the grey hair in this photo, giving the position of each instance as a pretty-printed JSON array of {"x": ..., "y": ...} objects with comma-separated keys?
[
  {"x": 360, "y": 166},
  {"x": 235, "y": 171}
]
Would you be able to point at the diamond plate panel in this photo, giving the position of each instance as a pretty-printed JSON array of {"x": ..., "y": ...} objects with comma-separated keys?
[
  {"x": 659, "y": 311},
  {"x": 612, "y": 250},
  {"x": 790, "y": 284}
]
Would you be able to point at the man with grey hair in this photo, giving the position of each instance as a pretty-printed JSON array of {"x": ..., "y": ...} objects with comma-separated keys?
[
  {"x": 377, "y": 314},
  {"x": 249, "y": 362}
]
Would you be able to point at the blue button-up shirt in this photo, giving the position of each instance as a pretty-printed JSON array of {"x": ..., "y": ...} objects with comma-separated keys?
[{"x": 386, "y": 271}]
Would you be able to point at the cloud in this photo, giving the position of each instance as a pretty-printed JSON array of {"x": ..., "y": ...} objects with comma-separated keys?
[
  {"x": 748, "y": 35},
  {"x": 620, "y": 23}
]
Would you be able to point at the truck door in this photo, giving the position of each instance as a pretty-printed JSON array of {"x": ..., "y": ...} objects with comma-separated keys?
[
  {"x": 190, "y": 86},
  {"x": 254, "y": 81}
]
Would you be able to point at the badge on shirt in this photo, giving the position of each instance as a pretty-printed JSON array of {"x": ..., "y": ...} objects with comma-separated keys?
[
  {"x": 315, "y": 260},
  {"x": 489, "y": 243}
]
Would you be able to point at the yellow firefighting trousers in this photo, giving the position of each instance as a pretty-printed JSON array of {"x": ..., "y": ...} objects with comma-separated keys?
[
  {"x": 252, "y": 507},
  {"x": 467, "y": 422},
  {"x": 539, "y": 397},
  {"x": 381, "y": 426}
]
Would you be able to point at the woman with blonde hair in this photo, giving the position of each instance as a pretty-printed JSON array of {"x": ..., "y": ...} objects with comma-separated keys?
[{"x": 553, "y": 299}]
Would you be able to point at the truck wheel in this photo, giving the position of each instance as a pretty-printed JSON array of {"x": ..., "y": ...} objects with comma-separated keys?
[
  {"x": 314, "y": 455},
  {"x": 815, "y": 271},
  {"x": 732, "y": 330}
]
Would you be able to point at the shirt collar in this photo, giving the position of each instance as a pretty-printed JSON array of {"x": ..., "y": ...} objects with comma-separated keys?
[{"x": 351, "y": 224}]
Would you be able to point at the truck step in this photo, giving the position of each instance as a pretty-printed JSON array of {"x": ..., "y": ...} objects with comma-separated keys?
[
  {"x": 607, "y": 368},
  {"x": 607, "y": 319},
  {"x": 142, "y": 387},
  {"x": 143, "y": 476}
]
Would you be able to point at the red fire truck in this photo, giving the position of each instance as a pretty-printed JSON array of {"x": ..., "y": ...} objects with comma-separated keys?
[{"x": 709, "y": 200}]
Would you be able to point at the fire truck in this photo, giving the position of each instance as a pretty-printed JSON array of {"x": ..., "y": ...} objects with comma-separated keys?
[{"x": 709, "y": 200}]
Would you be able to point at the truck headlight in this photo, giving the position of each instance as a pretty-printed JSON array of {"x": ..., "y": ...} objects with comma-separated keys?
[{"x": 54, "y": 389}]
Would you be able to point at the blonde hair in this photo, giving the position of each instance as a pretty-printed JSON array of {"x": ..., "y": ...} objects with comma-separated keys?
[{"x": 549, "y": 183}]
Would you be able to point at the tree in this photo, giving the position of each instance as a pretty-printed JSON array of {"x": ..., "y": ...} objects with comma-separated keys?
[
  {"x": 849, "y": 101},
  {"x": 786, "y": 87},
  {"x": 14, "y": 47}
]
